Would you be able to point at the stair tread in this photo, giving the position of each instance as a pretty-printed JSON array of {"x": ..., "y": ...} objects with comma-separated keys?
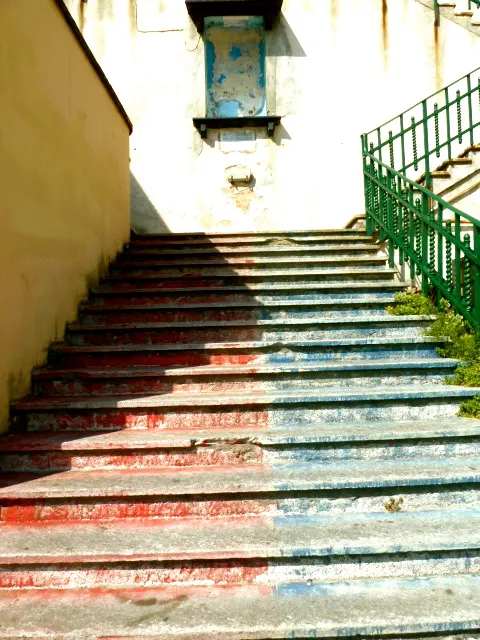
[
  {"x": 258, "y": 344},
  {"x": 240, "y": 479},
  {"x": 307, "y": 286},
  {"x": 194, "y": 325},
  {"x": 249, "y": 398},
  {"x": 246, "y": 538},
  {"x": 254, "y": 238},
  {"x": 177, "y": 250},
  {"x": 132, "y": 439},
  {"x": 239, "y": 369},
  {"x": 247, "y": 273},
  {"x": 249, "y": 304},
  {"x": 247, "y": 262},
  {"x": 394, "y": 606},
  {"x": 255, "y": 234}
]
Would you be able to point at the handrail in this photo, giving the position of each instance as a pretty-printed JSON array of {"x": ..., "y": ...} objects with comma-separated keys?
[
  {"x": 421, "y": 229},
  {"x": 436, "y": 128}
]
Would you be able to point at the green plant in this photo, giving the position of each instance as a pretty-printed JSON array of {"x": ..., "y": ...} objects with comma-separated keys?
[
  {"x": 412, "y": 304},
  {"x": 470, "y": 408},
  {"x": 461, "y": 343},
  {"x": 467, "y": 375}
]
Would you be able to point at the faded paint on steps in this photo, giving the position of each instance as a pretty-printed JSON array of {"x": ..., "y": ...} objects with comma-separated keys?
[{"x": 240, "y": 448}]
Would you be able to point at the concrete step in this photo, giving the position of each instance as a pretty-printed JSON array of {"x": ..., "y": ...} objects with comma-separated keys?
[
  {"x": 295, "y": 548},
  {"x": 179, "y": 252},
  {"x": 273, "y": 261},
  {"x": 228, "y": 378},
  {"x": 390, "y": 607},
  {"x": 271, "y": 292},
  {"x": 254, "y": 239},
  {"x": 240, "y": 479},
  {"x": 131, "y": 449},
  {"x": 252, "y": 310},
  {"x": 240, "y": 330},
  {"x": 251, "y": 353},
  {"x": 224, "y": 277},
  {"x": 201, "y": 235},
  {"x": 262, "y": 265},
  {"x": 259, "y": 410}
]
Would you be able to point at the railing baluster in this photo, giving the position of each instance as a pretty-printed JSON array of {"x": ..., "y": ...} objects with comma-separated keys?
[
  {"x": 449, "y": 132},
  {"x": 448, "y": 257},
  {"x": 418, "y": 235},
  {"x": 458, "y": 257},
  {"x": 424, "y": 242},
  {"x": 437, "y": 131},
  {"x": 467, "y": 276},
  {"x": 431, "y": 242},
  {"x": 390, "y": 145},
  {"x": 402, "y": 137},
  {"x": 426, "y": 146},
  {"x": 470, "y": 108},
  {"x": 414, "y": 145},
  {"x": 440, "y": 241},
  {"x": 459, "y": 118}
]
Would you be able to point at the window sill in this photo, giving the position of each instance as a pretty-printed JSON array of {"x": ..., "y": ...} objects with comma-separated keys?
[{"x": 204, "y": 124}]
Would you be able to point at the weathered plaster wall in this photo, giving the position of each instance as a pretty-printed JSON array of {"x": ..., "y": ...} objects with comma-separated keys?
[
  {"x": 335, "y": 68},
  {"x": 64, "y": 184}
]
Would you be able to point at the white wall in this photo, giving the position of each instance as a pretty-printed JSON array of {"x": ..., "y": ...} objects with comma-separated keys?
[{"x": 335, "y": 68}]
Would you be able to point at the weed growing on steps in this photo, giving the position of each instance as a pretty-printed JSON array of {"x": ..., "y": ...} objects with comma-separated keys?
[
  {"x": 462, "y": 345},
  {"x": 412, "y": 304},
  {"x": 470, "y": 408}
]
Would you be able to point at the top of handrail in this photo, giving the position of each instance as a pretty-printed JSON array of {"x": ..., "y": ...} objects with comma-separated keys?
[{"x": 420, "y": 102}]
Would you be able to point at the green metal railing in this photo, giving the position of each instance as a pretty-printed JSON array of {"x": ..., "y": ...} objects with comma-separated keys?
[
  {"x": 435, "y": 129},
  {"x": 435, "y": 241}
]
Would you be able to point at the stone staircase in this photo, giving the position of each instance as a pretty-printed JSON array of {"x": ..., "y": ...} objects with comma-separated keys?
[{"x": 237, "y": 442}]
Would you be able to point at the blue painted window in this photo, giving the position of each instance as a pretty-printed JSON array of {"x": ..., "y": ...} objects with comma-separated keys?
[{"x": 235, "y": 66}]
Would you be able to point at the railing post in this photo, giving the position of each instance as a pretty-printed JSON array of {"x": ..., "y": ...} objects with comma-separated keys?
[
  {"x": 436, "y": 8},
  {"x": 368, "y": 187}
]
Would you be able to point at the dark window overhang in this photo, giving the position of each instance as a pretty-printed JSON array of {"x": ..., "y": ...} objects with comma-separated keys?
[{"x": 200, "y": 9}]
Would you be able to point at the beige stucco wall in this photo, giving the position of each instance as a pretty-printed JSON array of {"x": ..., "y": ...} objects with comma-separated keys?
[
  {"x": 64, "y": 184},
  {"x": 335, "y": 68}
]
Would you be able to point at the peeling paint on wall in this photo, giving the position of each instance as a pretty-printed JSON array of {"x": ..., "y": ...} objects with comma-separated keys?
[{"x": 235, "y": 67}]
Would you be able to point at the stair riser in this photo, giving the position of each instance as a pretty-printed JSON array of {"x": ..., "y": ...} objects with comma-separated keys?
[
  {"x": 234, "y": 454},
  {"x": 241, "y": 416},
  {"x": 448, "y": 497},
  {"x": 133, "y": 336},
  {"x": 232, "y": 383},
  {"x": 245, "y": 356},
  {"x": 240, "y": 572},
  {"x": 105, "y": 318},
  {"x": 129, "y": 283},
  {"x": 134, "y": 298}
]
